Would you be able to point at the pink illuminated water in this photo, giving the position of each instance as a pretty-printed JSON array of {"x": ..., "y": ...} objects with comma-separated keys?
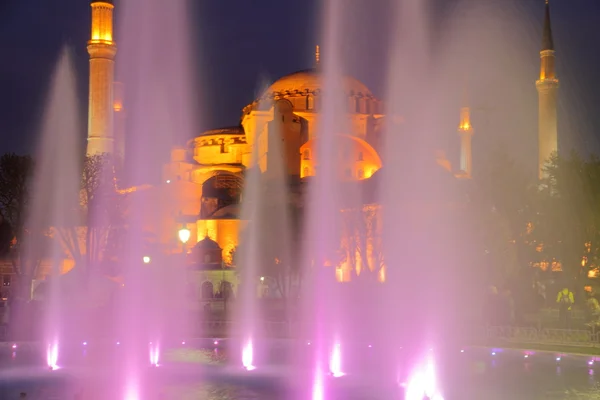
[
  {"x": 335, "y": 362},
  {"x": 337, "y": 322},
  {"x": 248, "y": 356},
  {"x": 318, "y": 386},
  {"x": 423, "y": 382},
  {"x": 52, "y": 355},
  {"x": 54, "y": 196},
  {"x": 154, "y": 353},
  {"x": 154, "y": 64}
]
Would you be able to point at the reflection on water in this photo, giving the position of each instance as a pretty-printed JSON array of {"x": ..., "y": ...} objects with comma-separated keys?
[
  {"x": 200, "y": 356},
  {"x": 189, "y": 373},
  {"x": 204, "y": 391}
]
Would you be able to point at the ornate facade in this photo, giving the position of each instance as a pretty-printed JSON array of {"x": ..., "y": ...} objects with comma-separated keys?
[{"x": 203, "y": 182}]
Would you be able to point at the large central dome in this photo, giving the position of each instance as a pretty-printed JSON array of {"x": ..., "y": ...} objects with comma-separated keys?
[
  {"x": 310, "y": 80},
  {"x": 303, "y": 90}
]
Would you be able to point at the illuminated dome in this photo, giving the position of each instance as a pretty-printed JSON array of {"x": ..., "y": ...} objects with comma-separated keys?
[
  {"x": 303, "y": 90},
  {"x": 310, "y": 81},
  {"x": 207, "y": 244}
]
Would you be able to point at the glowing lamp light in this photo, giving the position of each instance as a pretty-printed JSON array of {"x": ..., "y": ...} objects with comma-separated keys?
[
  {"x": 335, "y": 362},
  {"x": 168, "y": 181},
  {"x": 423, "y": 384},
  {"x": 248, "y": 356},
  {"x": 262, "y": 278},
  {"x": 132, "y": 393},
  {"x": 184, "y": 235},
  {"x": 85, "y": 343},
  {"x": 557, "y": 358},
  {"x": 462, "y": 350},
  {"x": 146, "y": 259},
  {"x": 493, "y": 353},
  {"x": 318, "y": 392},
  {"x": 216, "y": 342},
  {"x": 154, "y": 355},
  {"x": 52, "y": 356},
  {"x": 591, "y": 362},
  {"x": 526, "y": 356},
  {"x": 14, "y": 346}
]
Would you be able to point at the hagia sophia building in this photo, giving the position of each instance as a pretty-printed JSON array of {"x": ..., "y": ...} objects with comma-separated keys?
[{"x": 203, "y": 182}]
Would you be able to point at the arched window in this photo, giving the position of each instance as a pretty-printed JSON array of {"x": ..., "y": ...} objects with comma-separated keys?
[
  {"x": 310, "y": 102},
  {"x": 306, "y": 154},
  {"x": 207, "y": 290},
  {"x": 305, "y": 171}
]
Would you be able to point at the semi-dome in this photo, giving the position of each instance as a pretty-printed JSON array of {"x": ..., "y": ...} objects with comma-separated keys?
[
  {"x": 310, "y": 80},
  {"x": 229, "y": 130},
  {"x": 355, "y": 159},
  {"x": 207, "y": 244}
]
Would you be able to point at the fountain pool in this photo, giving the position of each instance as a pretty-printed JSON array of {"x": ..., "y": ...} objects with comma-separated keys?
[{"x": 203, "y": 370}]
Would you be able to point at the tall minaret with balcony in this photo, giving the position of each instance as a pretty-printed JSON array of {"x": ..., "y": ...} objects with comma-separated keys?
[
  {"x": 547, "y": 87},
  {"x": 465, "y": 131},
  {"x": 102, "y": 50}
]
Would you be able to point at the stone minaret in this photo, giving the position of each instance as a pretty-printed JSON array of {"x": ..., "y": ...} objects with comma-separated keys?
[
  {"x": 317, "y": 55},
  {"x": 465, "y": 131},
  {"x": 547, "y": 87},
  {"x": 102, "y": 50}
]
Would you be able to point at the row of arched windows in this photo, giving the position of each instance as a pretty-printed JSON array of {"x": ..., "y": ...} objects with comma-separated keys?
[{"x": 355, "y": 103}]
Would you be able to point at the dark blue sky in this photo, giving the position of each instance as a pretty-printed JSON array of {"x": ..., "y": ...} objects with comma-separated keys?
[{"x": 240, "y": 43}]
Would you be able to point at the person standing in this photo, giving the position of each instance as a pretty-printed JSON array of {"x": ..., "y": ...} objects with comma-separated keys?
[{"x": 565, "y": 302}]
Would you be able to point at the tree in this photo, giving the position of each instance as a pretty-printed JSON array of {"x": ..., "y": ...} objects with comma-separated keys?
[
  {"x": 503, "y": 206},
  {"x": 100, "y": 218},
  {"x": 569, "y": 223},
  {"x": 15, "y": 189},
  {"x": 15, "y": 179}
]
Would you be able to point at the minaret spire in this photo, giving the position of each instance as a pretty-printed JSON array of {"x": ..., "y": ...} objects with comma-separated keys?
[
  {"x": 102, "y": 50},
  {"x": 465, "y": 131},
  {"x": 547, "y": 86},
  {"x": 547, "y": 42},
  {"x": 317, "y": 56}
]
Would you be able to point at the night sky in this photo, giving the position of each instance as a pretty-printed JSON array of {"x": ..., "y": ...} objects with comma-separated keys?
[{"x": 241, "y": 43}]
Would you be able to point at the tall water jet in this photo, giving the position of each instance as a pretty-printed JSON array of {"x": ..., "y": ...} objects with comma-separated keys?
[
  {"x": 267, "y": 240},
  {"x": 155, "y": 67},
  {"x": 55, "y": 195},
  {"x": 322, "y": 306},
  {"x": 248, "y": 312}
]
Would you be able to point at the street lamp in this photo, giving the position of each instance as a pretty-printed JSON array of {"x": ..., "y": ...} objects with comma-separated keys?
[
  {"x": 146, "y": 259},
  {"x": 184, "y": 235}
]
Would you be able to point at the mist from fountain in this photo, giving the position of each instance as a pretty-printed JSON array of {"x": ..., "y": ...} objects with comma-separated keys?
[
  {"x": 55, "y": 197},
  {"x": 248, "y": 313},
  {"x": 155, "y": 67},
  {"x": 338, "y": 320},
  {"x": 266, "y": 242}
]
